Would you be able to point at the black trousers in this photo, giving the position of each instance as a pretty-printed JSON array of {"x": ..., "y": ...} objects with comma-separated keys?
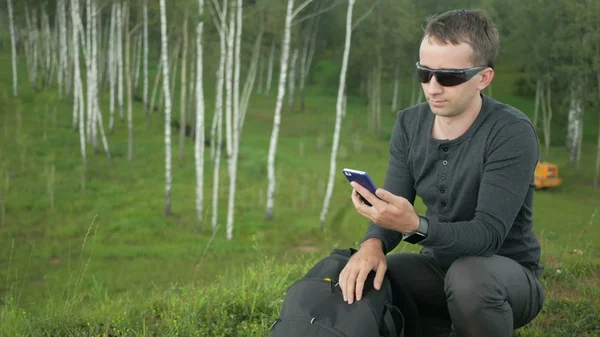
[{"x": 477, "y": 296}]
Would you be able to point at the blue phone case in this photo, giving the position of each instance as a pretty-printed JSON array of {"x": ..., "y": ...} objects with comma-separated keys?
[{"x": 361, "y": 178}]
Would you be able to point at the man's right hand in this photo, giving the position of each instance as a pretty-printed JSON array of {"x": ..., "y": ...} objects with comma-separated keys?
[{"x": 352, "y": 278}]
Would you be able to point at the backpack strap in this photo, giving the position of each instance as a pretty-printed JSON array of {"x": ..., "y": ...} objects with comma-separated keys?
[{"x": 394, "y": 321}]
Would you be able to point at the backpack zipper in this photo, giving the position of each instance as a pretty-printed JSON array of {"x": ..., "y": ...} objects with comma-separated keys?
[{"x": 318, "y": 323}]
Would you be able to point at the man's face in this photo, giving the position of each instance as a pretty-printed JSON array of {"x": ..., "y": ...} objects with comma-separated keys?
[{"x": 450, "y": 101}]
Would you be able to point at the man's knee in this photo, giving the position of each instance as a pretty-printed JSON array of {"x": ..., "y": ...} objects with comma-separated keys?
[{"x": 471, "y": 287}]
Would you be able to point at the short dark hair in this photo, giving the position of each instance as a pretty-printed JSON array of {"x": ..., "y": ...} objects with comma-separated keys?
[{"x": 469, "y": 26}]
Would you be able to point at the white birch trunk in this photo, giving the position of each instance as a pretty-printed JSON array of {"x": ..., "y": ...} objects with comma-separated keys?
[
  {"x": 138, "y": 60},
  {"x": 78, "y": 104},
  {"x": 88, "y": 72},
  {"x": 277, "y": 117},
  {"x": 261, "y": 70},
  {"x": 235, "y": 122},
  {"x": 182, "y": 121},
  {"x": 165, "y": 60},
  {"x": 216, "y": 169},
  {"x": 270, "y": 70},
  {"x": 98, "y": 122},
  {"x": 395, "y": 93},
  {"x": 547, "y": 116},
  {"x": 219, "y": 75},
  {"x": 13, "y": 46},
  {"x": 575, "y": 124},
  {"x": 218, "y": 115},
  {"x": 119, "y": 36},
  {"x": 538, "y": 87},
  {"x": 155, "y": 89},
  {"x": 46, "y": 41},
  {"x": 292, "y": 80},
  {"x": 112, "y": 67},
  {"x": 62, "y": 37},
  {"x": 229, "y": 85},
  {"x": 339, "y": 112},
  {"x": 128, "y": 79},
  {"x": 199, "y": 142},
  {"x": 94, "y": 69},
  {"x": 597, "y": 171},
  {"x": 145, "y": 56},
  {"x": 191, "y": 101}
]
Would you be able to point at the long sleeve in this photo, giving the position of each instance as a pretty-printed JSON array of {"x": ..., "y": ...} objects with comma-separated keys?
[{"x": 398, "y": 180}]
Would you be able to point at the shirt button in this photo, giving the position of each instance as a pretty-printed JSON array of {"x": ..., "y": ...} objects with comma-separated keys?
[
  {"x": 445, "y": 149},
  {"x": 443, "y": 204},
  {"x": 445, "y": 162},
  {"x": 442, "y": 190},
  {"x": 443, "y": 176}
]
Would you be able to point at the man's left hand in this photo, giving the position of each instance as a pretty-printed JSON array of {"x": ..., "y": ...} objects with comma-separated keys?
[{"x": 388, "y": 210}]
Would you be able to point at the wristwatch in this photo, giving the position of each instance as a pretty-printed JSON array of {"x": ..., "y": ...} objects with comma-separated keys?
[{"x": 419, "y": 234}]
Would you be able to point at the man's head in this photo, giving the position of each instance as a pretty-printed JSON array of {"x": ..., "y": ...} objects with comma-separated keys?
[{"x": 458, "y": 39}]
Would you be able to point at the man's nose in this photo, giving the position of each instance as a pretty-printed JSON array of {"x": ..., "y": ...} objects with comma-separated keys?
[{"x": 434, "y": 87}]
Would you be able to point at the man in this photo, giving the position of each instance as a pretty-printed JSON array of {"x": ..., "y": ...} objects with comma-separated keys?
[{"x": 471, "y": 159}]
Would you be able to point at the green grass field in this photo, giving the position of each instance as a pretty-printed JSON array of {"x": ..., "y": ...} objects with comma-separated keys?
[{"x": 106, "y": 261}]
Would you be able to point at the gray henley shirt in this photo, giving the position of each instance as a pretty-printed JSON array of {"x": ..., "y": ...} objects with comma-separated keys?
[{"x": 478, "y": 188}]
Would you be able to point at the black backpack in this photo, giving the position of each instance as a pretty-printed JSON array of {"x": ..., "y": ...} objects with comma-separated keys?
[{"x": 314, "y": 306}]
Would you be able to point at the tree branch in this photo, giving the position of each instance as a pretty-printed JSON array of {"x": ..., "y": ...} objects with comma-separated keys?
[
  {"x": 335, "y": 4},
  {"x": 364, "y": 16},
  {"x": 217, "y": 18},
  {"x": 300, "y": 8}
]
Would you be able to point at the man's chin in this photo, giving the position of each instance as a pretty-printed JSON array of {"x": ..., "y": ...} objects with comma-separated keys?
[{"x": 440, "y": 111}]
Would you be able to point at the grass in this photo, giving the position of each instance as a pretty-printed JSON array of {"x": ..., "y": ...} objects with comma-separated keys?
[{"x": 105, "y": 261}]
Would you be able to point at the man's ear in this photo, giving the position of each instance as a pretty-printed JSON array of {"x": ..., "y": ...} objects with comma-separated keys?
[{"x": 485, "y": 78}]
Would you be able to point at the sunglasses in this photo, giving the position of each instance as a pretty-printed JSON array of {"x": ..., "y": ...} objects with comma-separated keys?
[{"x": 447, "y": 77}]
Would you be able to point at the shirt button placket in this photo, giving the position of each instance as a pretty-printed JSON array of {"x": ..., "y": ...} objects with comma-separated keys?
[{"x": 443, "y": 176}]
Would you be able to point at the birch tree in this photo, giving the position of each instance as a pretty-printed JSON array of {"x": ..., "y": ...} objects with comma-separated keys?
[
  {"x": 167, "y": 93},
  {"x": 63, "y": 50},
  {"x": 119, "y": 59},
  {"x": 78, "y": 101},
  {"x": 199, "y": 141},
  {"x": 221, "y": 25},
  {"x": 112, "y": 67},
  {"x": 145, "y": 23},
  {"x": 278, "y": 106},
  {"x": 128, "y": 79},
  {"x": 307, "y": 57},
  {"x": 292, "y": 79},
  {"x": 217, "y": 130},
  {"x": 339, "y": 112},
  {"x": 240, "y": 118},
  {"x": 395, "y": 102},
  {"x": 182, "y": 121},
  {"x": 13, "y": 46},
  {"x": 270, "y": 68}
]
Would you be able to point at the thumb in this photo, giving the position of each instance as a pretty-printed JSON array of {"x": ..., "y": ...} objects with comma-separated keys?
[{"x": 379, "y": 274}]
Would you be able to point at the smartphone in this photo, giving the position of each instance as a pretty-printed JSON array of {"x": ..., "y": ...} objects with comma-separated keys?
[{"x": 363, "y": 179}]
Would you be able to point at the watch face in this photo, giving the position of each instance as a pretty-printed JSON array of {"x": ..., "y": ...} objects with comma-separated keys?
[{"x": 414, "y": 237}]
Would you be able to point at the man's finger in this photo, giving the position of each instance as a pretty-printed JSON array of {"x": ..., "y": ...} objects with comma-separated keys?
[
  {"x": 379, "y": 274},
  {"x": 358, "y": 204},
  {"x": 351, "y": 283},
  {"x": 385, "y": 195},
  {"x": 370, "y": 197},
  {"x": 342, "y": 282},
  {"x": 360, "y": 282}
]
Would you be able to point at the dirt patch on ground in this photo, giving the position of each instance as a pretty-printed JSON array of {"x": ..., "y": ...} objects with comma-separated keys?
[
  {"x": 55, "y": 260},
  {"x": 307, "y": 249}
]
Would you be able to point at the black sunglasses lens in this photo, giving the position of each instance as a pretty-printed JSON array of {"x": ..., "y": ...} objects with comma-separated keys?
[
  {"x": 445, "y": 79},
  {"x": 451, "y": 79},
  {"x": 424, "y": 75}
]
